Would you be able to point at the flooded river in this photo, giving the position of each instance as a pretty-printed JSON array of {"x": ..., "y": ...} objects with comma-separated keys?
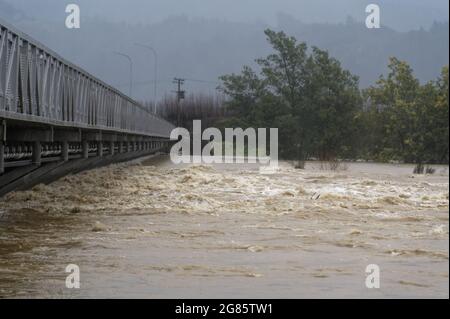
[{"x": 150, "y": 229}]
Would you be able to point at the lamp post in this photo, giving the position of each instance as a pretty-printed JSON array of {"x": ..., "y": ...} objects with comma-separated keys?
[
  {"x": 131, "y": 70},
  {"x": 155, "y": 81}
]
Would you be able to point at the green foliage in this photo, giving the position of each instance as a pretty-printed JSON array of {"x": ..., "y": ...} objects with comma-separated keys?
[
  {"x": 307, "y": 95},
  {"x": 410, "y": 120},
  {"x": 320, "y": 111}
]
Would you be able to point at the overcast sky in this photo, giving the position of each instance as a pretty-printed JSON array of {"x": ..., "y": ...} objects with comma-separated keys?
[
  {"x": 204, "y": 50},
  {"x": 399, "y": 14}
]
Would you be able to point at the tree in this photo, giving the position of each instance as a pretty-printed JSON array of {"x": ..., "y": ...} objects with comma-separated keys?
[
  {"x": 307, "y": 95},
  {"x": 441, "y": 125},
  {"x": 413, "y": 118},
  {"x": 320, "y": 111}
]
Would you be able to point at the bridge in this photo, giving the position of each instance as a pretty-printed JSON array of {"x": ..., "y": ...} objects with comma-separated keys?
[{"x": 56, "y": 118}]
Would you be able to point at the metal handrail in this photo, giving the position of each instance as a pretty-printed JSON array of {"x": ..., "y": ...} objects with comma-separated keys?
[{"x": 38, "y": 85}]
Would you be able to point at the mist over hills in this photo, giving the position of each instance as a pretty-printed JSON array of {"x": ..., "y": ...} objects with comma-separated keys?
[
  {"x": 192, "y": 46},
  {"x": 401, "y": 15}
]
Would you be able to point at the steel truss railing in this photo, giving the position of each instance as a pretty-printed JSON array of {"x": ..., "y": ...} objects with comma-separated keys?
[{"x": 37, "y": 85}]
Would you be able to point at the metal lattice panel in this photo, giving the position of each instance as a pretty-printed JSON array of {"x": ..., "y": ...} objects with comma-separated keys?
[{"x": 39, "y": 86}]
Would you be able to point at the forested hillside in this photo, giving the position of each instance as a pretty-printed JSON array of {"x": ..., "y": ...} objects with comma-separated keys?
[{"x": 203, "y": 49}]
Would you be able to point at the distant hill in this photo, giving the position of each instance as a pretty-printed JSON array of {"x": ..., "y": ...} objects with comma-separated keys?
[
  {"x": 203, "y": 49},
  {"x": 401, "y": 15}
]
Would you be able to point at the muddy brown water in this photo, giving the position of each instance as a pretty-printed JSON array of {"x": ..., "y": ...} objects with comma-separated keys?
[{"x": 151, "y": 229}]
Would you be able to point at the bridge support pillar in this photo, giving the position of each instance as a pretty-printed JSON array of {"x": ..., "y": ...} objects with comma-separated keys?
[
  {"x": 2, "y": 157},
  {"x": 65, "y": 151},
  {"x": 85, "y": 148},
  {"x": 100, "y": 149},
  {"x": 37, "y": 149},
  {"x": 120, "y": 150},
  {"x": 112, "y": 146}
]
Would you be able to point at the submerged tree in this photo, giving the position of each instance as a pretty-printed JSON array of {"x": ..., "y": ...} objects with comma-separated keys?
[
  {"x": 305, "y": 93},
  {"x": 320, "y": 111},
  {"x": 413, "y": 117}
]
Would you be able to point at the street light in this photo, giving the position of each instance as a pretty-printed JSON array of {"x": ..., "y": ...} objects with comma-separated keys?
[
  {"x": 131, "y": 70},
  {"x": 155, "y": 81}
]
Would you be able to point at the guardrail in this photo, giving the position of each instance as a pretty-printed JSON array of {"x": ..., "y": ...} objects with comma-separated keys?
[{"x": 37, "y": 85}]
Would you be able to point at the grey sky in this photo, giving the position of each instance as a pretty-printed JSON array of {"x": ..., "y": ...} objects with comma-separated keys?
[
  {"x": 400, "y": 14},
  {"x": 223, "y": 36}
]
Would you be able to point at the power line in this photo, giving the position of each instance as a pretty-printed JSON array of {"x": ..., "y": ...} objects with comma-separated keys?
[
  {"x": 142, "y": 83},
  {"x": 168, "y": 81},
  {"x": 202, "y": 81}
]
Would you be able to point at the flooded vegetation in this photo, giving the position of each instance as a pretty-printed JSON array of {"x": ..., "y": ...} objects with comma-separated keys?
[{"x": 150, "y": 229}]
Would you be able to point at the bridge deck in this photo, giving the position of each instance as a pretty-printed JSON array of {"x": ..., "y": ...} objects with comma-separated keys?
[{"x": 51, "y": 110}]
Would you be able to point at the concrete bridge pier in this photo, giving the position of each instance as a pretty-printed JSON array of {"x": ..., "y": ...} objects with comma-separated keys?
[
  {"x": 85, "y": 149},
  {"x": 37, "y": 150},
  {"x": 65, "y": 151},
  {"x": 100, "y": 149},
  {"x": 2, "y": 157},
  {"x": 112, "y": 148}
]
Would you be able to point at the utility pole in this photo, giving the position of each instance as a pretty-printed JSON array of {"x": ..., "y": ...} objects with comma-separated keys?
[{"x": 180, "y": 96}]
